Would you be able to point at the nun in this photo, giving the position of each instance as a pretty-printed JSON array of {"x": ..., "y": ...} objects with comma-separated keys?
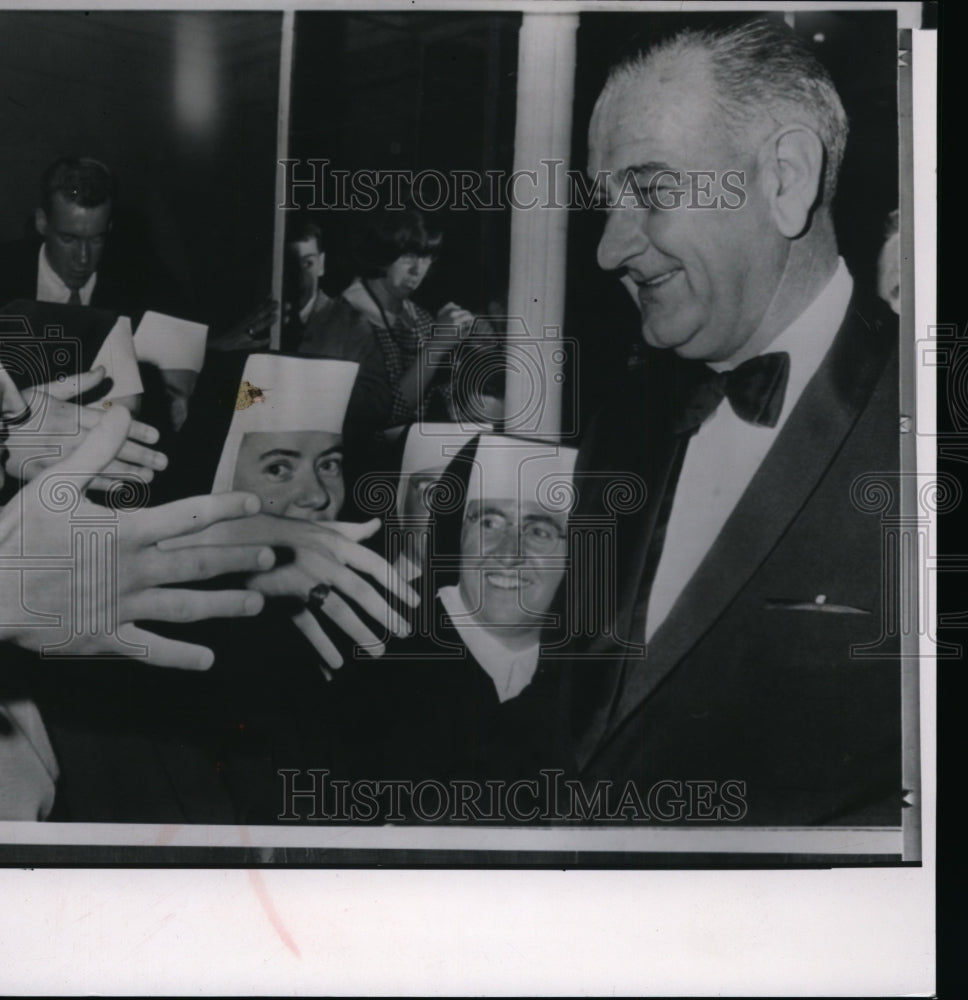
[
  {"x": 427, "y": 451},
  {"x": 434, "y": 706},
  {"x": 216, "y": 740}
]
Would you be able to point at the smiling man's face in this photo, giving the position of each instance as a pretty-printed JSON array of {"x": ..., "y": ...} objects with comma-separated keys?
[{"x": 702, "y": 277}]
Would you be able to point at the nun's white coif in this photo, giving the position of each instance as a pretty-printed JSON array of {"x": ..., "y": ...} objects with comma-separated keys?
[{"x": 281, "y": 394}]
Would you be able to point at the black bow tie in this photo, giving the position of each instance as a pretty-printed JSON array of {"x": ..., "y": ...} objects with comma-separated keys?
[{"x": 755, "y": 390}]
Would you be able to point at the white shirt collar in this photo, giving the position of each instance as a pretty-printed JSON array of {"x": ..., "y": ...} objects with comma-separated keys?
[
  {"x": 50, "y": 287},
  {"x": 510, "y": 670}
]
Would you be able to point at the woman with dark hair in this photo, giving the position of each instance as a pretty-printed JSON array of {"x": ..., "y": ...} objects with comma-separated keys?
[{"x": 375, "y": 323}]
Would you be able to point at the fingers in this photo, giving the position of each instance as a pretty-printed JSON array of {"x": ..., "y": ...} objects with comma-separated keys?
[
  {"x": 176, "y": 605},
  {"x": 144, "y": 433},
  {"x": 348, "y": 583},
  {"x": 320, "y": 641},
  {"x": 197, "y": 513},
  {"x": 380, "y": 570},
  {"x": 99, "y": 448},
  {"x": 355, "y": 532},
  {"x": 139, "y": 455},
  {"x": 203, "y": 563},
  {"x": 164, "y": 652},
  {"x": 71, "y": 386},
  {"x": 341, "y": 615}
]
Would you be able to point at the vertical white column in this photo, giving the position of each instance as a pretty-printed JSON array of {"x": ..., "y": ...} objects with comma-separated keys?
[
  {"x": 282, "y": 151},
  {"x": 539, "y": 229}
]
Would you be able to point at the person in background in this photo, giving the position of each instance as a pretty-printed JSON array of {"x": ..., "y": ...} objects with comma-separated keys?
[
  {"x": 305, "y": 266},
  {"x": 377, "y": 324}
]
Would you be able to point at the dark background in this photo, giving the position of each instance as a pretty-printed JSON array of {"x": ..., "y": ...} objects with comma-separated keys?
[
  {"x": 412, "y": 91},
  {"x": 183, "y": 106}
]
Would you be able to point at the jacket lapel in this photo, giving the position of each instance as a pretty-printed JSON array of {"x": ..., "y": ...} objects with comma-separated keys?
[{"x": 801, "y": 454}]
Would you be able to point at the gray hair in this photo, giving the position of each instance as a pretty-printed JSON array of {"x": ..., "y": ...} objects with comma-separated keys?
[{"x": 764, "y": 76}]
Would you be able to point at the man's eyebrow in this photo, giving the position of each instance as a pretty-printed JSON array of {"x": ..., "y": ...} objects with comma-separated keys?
[
  {"x": 333, "y": 448},
  {"x": 282, "y": 452}
]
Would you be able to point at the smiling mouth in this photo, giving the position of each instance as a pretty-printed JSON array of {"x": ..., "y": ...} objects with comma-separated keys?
[
  {"x": 658, "y": 281},
  {"x": 506, "y": 581}
]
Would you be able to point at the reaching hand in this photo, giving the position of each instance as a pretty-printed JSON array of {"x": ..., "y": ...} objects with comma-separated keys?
[
  {"x": 84, "y": 600},
  {"x": 328, "y": 554},
  {"x": 57, "y": 427},
  {"x": 453, "y": 315}
]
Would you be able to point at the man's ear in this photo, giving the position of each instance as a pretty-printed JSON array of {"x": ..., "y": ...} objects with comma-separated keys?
[
  {"x": 791, "y": 163},
  {"x": 40, "y": 221}
]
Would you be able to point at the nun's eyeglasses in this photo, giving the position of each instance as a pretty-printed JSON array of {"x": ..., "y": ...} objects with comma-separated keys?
[{"x": 539, "y": 537}]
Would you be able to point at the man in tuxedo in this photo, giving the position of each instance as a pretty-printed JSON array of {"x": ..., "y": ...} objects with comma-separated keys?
[{"x": 749, "y": 641}]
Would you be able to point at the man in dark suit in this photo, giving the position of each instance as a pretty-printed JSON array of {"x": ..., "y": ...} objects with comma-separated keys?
[
  {"x": 72, "y": 262},
  {"x": 749, "y": 640}
]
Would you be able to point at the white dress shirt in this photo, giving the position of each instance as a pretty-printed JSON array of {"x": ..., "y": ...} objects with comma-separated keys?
[
  {"x": 50, "y": 288},
  {"x": 511, "y": 670},
  {"x": 726, "y": 451}
]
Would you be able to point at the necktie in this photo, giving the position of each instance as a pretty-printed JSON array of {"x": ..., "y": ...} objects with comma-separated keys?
[
  {"x": 74, "y": 299},
  {"x": 755, "y": 390}
]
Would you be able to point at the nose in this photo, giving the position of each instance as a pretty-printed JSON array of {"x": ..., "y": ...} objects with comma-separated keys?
[
  {"x": 624, "y": 237},
  {"x": 507, "y": 549},
  {"x": 83, "y": 252},
  {"x": 312, "y": 494}
]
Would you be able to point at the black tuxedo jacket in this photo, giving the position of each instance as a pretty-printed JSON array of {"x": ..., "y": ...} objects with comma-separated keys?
[{"x": 776, "y": 668}]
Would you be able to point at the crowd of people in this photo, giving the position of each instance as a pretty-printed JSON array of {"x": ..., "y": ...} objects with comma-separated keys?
[{"x": 359, "y": 569}]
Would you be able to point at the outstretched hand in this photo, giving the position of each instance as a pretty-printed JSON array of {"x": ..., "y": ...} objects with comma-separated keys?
[
  {"x": 329, "y": 554},
  {"x": 57, "y": 427},
  {"x": 85, "y": 601}
]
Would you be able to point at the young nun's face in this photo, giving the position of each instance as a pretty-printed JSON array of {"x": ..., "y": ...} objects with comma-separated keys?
[
  {"x": 295, "y": 473},
  {"x": 512, "y": 561}
]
